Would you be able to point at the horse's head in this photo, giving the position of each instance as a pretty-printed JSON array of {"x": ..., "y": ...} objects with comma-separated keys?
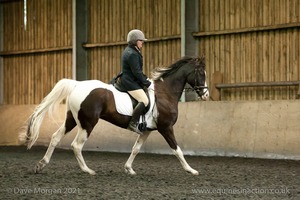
[
  {"x": 186, "y": 70},
  {"x": 197, "y": 78}
]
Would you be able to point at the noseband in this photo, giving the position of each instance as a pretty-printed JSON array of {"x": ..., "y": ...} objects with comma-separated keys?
[{"x": 200, "y": 90}]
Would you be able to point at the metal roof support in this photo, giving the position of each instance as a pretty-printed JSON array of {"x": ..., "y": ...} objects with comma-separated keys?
[
  {"x": 189, "y": 44},
  {"x": 80, "y": 36},
  {"x": 1, "y": 58}
]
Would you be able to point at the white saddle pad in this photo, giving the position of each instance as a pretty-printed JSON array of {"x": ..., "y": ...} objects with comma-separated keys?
[{"x": 124, "y": 105}]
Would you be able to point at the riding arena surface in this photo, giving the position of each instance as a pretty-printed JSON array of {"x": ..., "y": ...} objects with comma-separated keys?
[{"x": 158, "y": 177}]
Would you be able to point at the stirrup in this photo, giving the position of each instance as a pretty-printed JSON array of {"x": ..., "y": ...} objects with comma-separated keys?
[{"x": 134, "y": 128}]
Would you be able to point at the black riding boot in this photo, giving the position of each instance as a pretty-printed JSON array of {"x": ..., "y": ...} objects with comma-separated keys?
[{"x": 134, "y": 122}]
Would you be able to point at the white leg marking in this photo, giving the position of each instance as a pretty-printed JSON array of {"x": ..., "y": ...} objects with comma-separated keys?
[
  {"x": 56, "y": 137},
  {"x": 77, "y": 145},
  {"x": 178, "y": 153},
  {"x": 135, "y": 150}
]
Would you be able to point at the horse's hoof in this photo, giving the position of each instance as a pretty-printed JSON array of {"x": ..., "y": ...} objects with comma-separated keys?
[
  {"x": 130, "y": 171},
  {"x": 88, "y": 170},
  {"x": 195, "y": 173},
  {"x": 38, "y": 168},
  {"x": 91, "y": 172}
]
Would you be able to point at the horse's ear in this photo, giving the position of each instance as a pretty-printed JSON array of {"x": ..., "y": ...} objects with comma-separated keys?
[{"x": 202, "y": 60}]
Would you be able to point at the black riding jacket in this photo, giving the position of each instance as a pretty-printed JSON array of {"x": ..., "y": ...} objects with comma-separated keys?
[{"x": 133, "y": 77}]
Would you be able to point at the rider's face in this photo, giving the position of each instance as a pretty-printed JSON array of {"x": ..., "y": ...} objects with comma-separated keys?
[{"x": 139, "y": 44}]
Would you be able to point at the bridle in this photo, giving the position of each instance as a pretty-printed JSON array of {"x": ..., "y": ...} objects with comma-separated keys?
[{"x": 200, "y": 90}]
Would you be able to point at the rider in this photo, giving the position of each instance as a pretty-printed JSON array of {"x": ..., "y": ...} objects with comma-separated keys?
[{"x": 133, "y": 79}]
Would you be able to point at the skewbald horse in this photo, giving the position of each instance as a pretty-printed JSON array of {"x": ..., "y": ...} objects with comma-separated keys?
[{"x": 87, "y": 101}]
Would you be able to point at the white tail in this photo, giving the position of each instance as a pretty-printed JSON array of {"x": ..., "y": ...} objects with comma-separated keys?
[{"x": 61, "y": 91}]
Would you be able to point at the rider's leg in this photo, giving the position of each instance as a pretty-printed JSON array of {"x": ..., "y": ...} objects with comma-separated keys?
[{"x": 143, "y": 101}]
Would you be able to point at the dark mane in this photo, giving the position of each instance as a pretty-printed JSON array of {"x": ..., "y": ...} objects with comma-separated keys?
[{"x": 162, "y": 72}]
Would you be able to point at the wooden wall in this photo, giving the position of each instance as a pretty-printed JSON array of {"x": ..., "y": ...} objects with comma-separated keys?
[
  {"x": 42, "y": 55},
  {"x": 110, "y": 21},
  {"x": 252, "y": 41},
  {"x": 247, "y": 40},
  {"x": 35, "y": 58}
]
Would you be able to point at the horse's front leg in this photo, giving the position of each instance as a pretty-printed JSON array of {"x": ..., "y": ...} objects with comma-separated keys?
[
  {"x": 168, "y": 134},
  {"x": 178, "y": 153},
  {"x": 135, "y": 150}
]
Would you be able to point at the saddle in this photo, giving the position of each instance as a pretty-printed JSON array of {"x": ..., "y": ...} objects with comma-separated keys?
[{"x": 116, "y": 83}]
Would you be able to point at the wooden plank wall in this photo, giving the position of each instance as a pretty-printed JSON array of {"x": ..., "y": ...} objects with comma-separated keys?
[
  {"x": 110, "y": 21},
  {"x": 36, "y": 58},
  {"x": 252, "y": 41},
  {"x": 247, "y": 40}
]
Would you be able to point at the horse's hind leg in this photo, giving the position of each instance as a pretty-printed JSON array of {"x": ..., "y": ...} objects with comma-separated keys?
[
  {"x": 77, "y": 145},
  {"x": 135, "y": 150},
  {"x": 56, "y": 137}
]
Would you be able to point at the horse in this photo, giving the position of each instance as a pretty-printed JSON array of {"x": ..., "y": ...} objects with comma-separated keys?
[{"x": 88, "y": 101}]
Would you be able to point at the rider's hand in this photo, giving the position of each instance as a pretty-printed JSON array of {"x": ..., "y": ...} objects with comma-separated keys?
[{"x": 151, "y": 86}]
